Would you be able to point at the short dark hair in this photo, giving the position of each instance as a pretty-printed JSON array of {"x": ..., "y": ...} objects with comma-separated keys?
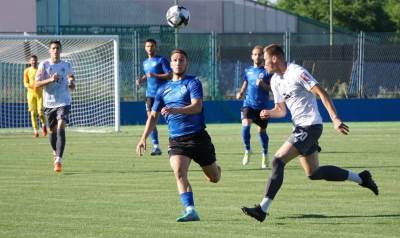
[
  {"x": 258, "y": 47},
  {"x": 179, "y": 51},
  {"x": 275, "y": 50},
  {"x": 151, "y": 40},
  {"x": 33, "y": 56},
  {"x": 55, "y": 42}
]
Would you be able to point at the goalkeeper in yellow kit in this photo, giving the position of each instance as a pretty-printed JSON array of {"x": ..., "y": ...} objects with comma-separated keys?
[{"x": 35, "y": 99}]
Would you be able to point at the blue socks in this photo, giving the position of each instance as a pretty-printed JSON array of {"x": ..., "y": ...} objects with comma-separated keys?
[
  {"x": 246, "y": 136},
  {"x": 264, "y": 141},
  {"x": 154, "y": 137},
  {"x": 187, "y": 200}
]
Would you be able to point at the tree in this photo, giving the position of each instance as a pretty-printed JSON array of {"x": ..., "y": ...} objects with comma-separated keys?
[{"x": 355, "y": 15}]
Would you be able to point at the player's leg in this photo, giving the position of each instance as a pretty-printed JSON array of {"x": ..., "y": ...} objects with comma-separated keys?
[
  {"x": 212, "y": 172},
  {"x": 284, "y": 155},
  {"x": 33, "y": 113},
  {"x": 312, "y": 169},
  {"x": 180, "y": 165},
  {"x": 39, "y": 105},
  {"x": 62, "y": 120},
  {"x": 154, "y": 133},
  {"x": 264, "y": 139},
  {"x": 51, "y": 117},
  {"x": 246, "y": 136}
]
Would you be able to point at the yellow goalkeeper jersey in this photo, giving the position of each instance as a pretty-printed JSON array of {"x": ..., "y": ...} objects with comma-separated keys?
[{"x": 29, "y": 81}]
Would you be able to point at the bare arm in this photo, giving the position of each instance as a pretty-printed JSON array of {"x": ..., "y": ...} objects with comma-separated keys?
[
  {"x": 277, "y": 112},
  {"x": 337, "y": 122},
  {"x": 240, "y": 94},
  {"x": 140, "y": 80},
  {"x": 71, "y": 82},
  {"x": 260, "y": 83},
  {"x": 26, "y": 81},
  {"x": 150, "y": 124},
  {"x": 195, "y": 107}
]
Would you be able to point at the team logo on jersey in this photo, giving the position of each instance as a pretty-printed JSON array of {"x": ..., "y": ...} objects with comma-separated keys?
[
  {"x": 261, "y": 76},
  {"x": 305, "y": 77},
  {"x": 183, "y": 89}
]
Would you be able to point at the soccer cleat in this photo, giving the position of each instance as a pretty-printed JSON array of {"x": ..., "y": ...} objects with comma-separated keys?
[
  {"x": 255, "y": 212},
  {"x": 44, "y": 131},
  {"x": 156, "y": 151},
  {"x": 368, "y": 182},
  {"x": 189, "y": 216},
  {"x": 57, "y": 167},
  {"x": 264, "y": 161},
  {"x": 246, "y": 157}
]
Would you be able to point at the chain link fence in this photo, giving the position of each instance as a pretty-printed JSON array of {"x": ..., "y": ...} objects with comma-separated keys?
[{"x": 363, "y": 65}]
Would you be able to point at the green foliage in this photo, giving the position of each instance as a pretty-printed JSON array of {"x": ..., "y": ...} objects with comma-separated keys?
[
  {"x": 355, "y": 15},
  {"x": 106, "y": 191}
]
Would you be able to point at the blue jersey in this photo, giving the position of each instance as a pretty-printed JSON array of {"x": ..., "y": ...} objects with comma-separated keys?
[
  {"x": 256, "y": 97},
  {"x": 156, "y": 65},
  {"x": 179, "y": 94}
]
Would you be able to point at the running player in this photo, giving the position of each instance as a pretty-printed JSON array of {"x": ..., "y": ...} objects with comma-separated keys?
[
  {"x": 180, "y": 101},
  {"x": 57, "y": 79},
  {"x": 256, "y": 86},
  {"x": 294, "y": 86},
  {"x": 156, "y": 71}
]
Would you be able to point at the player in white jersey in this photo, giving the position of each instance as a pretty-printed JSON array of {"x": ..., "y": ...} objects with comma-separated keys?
[
  {"x": 57, "y": 79},
  {"x": 292, "y": 85}
]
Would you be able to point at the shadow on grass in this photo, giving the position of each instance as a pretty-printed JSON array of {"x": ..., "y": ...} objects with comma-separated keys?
[{"x": 321, "y": 216}]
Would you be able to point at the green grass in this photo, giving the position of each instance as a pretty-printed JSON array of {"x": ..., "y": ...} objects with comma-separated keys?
[{"x": 105, "y": 190}]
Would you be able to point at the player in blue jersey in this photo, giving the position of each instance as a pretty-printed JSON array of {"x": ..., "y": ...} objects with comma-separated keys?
[
  {"x": 256, "y": 87},
  {"x": 180, "y": 101},
  {"x": 156, "y": 71}
]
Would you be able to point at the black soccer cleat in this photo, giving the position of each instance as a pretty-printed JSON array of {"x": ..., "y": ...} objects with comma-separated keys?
[
  {"x": 156, "y": 151},
  {"x": 255, "y": 212},
  {"x": 368, "y": 182}
]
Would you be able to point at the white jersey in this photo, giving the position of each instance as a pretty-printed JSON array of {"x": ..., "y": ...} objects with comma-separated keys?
[
  {"x": 55, "y": 94},
  {"x": 293, "y": 88}
]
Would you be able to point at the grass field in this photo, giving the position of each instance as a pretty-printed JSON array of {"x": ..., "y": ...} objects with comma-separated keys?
[{"x": 105, "y": 190}]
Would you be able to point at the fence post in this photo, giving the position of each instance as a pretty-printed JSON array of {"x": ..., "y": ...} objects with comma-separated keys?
[
  {"x": 286, "y": 40},
  {"x": 361, "y": 39},
  {"x": 136, "y": 64}
]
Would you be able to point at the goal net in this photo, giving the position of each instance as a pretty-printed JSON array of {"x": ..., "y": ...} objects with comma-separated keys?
[{"x": 95, "y": 101}]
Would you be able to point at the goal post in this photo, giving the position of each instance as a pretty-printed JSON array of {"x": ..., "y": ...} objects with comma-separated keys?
[{"x": 95, "y": 59}]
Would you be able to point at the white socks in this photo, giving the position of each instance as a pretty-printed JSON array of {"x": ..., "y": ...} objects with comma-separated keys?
[
  {"x": 265, "y": 204},
  {"x": 354, "y": 177},
  {"x": 57, "y": 160}
]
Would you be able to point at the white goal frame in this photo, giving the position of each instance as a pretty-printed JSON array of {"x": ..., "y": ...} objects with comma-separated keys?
[{"x": 83, "y": 38}]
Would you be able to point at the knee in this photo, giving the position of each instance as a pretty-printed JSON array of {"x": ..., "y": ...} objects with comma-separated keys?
[
  {"x": 277, "y": 162},
  {"x": 315, "y": 175},
  {"x": 214, "y": 178}
]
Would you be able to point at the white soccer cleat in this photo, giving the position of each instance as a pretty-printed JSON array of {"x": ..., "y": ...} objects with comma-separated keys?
[
  {"x": 264, "y": 161},
  {"x": 246, "y": 157}
]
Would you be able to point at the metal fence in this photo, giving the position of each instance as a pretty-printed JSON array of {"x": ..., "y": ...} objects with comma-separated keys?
[{"x": 356, "y": 65}]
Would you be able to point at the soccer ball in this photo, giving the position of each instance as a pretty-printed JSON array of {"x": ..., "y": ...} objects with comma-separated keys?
[{"x": 177, "y": 16}]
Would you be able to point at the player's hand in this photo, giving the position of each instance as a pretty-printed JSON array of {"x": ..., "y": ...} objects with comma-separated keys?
[
  {"x": 340, "y": 126},
  {"x": 258, "y": 82},
  {"x": 239, "y": 96},
  {"x": 141, "y": 147},
  {"x": 265, "y": 114},
  {"x": 167, "y": 110},
  {"x": 54, "y": 77},
  {"x": 150, "y": 75}
]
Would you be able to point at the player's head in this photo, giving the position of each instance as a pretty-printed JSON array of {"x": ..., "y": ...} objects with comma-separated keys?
[
  {"x": 150, "y": 46},
  {"x": 273, "y": 56},
  {"x": 179, "y": 62},
  {"x": 33, "y": 61},
  {"x": 257, "y": 55},
  {"x": 55, "y": 49}
]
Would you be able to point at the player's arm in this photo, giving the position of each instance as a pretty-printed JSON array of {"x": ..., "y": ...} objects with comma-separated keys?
[
  {"x": 42, "y": 81},
  {"x": 243, "y": 89},
  {"x": 26, "y": 80},
  {"x": 262, "y": 84},
  {"x": 140, "y": 80},
  {"x": 150, "y": 124},
  {"x": 328, "y": 104},
  {"x": 278, "y": 111}
]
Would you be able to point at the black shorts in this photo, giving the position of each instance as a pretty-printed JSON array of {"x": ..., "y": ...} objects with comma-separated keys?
[
  {"x": 305, "y": 139},
  {"x": 57, "y": 113},
  {"x": 254, "y": 115},
  {"x": 149, "y": 103},
  {"x": 197, "y": 146}
]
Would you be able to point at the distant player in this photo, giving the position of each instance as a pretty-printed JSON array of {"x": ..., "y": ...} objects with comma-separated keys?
[
  {"x": 294, "y": 86},
  {"x": 256, "y": 86},
  {"x": 57, "y": 79},
  {"x": 180, "y": 101},
  {"x": 34, "y": 95},
  {"x": 156, "y": 71}
]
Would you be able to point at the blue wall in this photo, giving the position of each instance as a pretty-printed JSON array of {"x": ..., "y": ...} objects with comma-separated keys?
[{"x": 229, "y": 111}]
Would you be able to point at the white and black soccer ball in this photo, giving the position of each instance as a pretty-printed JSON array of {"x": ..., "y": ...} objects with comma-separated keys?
[{"x": 177, "y": 16}]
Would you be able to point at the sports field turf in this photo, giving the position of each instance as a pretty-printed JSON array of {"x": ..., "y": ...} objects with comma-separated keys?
[{"x": 105, "y": 190}]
